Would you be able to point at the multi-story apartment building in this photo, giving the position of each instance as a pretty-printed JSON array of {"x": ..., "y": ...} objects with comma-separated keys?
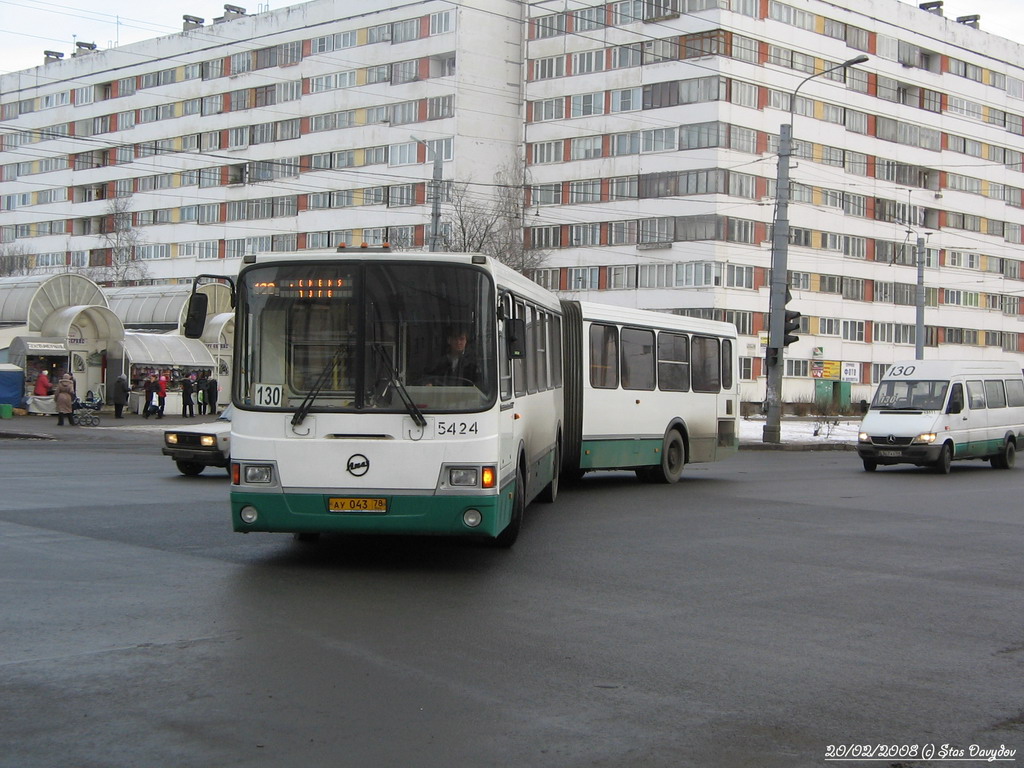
[{"x": 648, "y": 130}]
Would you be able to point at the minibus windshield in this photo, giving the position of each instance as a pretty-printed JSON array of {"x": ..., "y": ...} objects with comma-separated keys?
[{"x": 910, "y": 395}]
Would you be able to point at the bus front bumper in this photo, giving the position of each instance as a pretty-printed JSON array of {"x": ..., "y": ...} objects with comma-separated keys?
[{"x": 438, "y": 515}]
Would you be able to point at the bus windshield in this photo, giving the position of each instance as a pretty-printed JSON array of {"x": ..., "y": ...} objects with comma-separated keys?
[
  {"x": 910, "y": 395},
  {"x": 400, "y": 337}
]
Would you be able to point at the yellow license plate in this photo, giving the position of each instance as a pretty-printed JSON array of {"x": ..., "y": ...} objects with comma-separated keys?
[{"x": 352, "y": 504}]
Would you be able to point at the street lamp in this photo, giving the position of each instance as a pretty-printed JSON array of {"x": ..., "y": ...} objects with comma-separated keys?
[
  {"x": 435, "y": 205},
  {"x": 780, "y": 255}
]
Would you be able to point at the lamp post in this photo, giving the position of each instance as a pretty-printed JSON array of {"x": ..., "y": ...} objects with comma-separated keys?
[
  {"x": 435, "y": 205},
  {"x": 780, "y": 256}
]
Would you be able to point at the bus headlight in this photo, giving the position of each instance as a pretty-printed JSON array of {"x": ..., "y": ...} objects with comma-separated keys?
[
  {"x": 472, "y": 518},
  {"x": 248, "y": 515},
  {"x": 462, "y": 477},
  {"x": 258, "y": 473},
  {"x": 926, "y": 438}
]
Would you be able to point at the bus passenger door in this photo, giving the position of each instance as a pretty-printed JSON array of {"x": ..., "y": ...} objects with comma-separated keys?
[{"x": 506, "y": 414}]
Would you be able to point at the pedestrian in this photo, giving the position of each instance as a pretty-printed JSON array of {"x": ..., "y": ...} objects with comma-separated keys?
[
  {"x": 161, "y": 396},
  {"x": 201, "y": 392},
  {"x": 65, "y": 399},
  {"x": 186, "y": 398},
  {"x": 42, "y": 384},
  {"x": 149, "y": 407},
  {"x": 211, "y": 395},
  {"x": 120, "y": 395}
]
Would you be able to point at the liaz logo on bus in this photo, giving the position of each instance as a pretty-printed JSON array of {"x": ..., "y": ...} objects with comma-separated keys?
[{"x": 358, "y": 465}]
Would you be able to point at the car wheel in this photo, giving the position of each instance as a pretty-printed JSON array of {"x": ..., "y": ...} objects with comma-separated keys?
[{"x": 189, "y": 468}]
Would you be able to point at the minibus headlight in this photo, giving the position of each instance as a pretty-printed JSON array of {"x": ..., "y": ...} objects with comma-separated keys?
[
  {"x": 864, "y": 437},
  {"x": 258, "y": 473},
  {"x": 463, "y": 477},
  {"x": 926, "y": 438}
]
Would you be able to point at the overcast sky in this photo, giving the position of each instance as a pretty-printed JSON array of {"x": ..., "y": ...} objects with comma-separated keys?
[{"x": 28, "y": 27}]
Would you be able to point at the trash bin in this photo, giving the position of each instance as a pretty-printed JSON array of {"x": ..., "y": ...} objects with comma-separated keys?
[{"x": 6, "y": 411}]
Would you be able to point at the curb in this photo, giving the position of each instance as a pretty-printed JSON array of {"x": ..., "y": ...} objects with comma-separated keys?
[{"x": 823, "y": 446}]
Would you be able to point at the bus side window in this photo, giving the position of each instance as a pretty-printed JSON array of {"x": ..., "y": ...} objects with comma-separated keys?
[
  {"x": 995, "y": 393},
  {"x": 956, "y": 399},
  {"x": 726, "y": 364},
  {"x": 1015, "y": 392},
  {"x": 556, "y": 351},
  {"x": 976, "y": 394},
  {"x": 673, "y": 362},
  {"x": 519, "y": 364},
  {"x": 504, "y": 361},
  {"x": 707, "y": 367},
  {"x": 604, "y": 356},
  {"x": 637, "y": 359}
]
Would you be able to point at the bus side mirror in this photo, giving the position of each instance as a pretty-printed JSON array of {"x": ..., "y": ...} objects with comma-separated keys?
[
  {"x": 195, "y": 316},
  {"x": 515, "y": 330}
]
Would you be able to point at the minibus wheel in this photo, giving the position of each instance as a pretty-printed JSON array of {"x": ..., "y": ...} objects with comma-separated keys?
[
  {"x": 945, "y": 460},
  {"x": 870, "y": 466},
  {"x": 1006, "y": 458}
]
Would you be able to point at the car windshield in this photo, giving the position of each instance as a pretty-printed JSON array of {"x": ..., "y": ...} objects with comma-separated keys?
[
  {"x": 910, "y": 395},
  {"x": 406, "y": 337}
]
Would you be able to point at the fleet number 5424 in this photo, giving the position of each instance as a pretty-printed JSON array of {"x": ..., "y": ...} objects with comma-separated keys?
[{"x": 456, "y": 428}]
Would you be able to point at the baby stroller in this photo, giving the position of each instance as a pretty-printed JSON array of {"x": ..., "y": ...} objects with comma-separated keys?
[{"x": 85, "y": 413}]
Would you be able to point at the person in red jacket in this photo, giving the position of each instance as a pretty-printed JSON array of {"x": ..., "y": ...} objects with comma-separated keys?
[
  {"x": 42, "y": 384},
  {"x": 161, "y": 395}
]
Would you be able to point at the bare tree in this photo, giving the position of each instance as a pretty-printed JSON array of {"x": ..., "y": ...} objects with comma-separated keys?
[
  {"x": 491, "y": 222},
  {"x": 14, "y": 260},
  {"x": 122, "y": 239}
]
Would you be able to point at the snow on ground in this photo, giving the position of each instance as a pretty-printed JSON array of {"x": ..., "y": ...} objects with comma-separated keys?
[{"x": 802, "y": 431}]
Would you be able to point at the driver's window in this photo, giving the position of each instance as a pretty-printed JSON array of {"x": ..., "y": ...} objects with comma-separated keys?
[{"x": 956, "y": 399}]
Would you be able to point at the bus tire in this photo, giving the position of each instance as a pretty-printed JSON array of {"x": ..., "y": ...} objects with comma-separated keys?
[
  {"x": 673, "y": 459},
  {"x": 508, "y": 537},
  {"x": 189, "y": 468},
  {"x": 1006, "y": 458},
  {"x": 550, "y": 492},
  {"x": 945, "y": 461}
]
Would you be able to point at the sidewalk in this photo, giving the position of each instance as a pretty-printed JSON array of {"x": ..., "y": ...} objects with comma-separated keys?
[{"x": 44, "y": 427}]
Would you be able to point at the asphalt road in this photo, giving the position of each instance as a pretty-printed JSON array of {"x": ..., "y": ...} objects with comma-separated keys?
[{"x": 761, "y": 610}]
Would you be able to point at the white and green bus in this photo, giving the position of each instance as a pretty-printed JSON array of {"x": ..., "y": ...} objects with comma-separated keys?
[{"x": 354, "y": 412}]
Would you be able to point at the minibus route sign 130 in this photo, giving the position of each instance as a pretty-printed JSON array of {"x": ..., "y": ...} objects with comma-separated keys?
[{"x": 306, "y": 288}]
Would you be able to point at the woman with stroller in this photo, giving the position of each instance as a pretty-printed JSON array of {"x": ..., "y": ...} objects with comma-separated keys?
[{"x": 65, "y": 399}]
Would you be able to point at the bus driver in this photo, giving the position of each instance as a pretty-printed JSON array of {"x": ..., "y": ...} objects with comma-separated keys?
[{"x": 455, "y": 368}]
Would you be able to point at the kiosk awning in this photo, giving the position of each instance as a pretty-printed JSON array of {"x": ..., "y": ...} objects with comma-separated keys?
[{"x": 166, "y": 349}]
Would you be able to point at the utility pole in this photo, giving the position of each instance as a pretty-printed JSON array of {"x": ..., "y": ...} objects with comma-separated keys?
[
  {"x": 435, "y": 191},
  {"x": 779, "y": 276},
  {"x": 919, "y": 328}
]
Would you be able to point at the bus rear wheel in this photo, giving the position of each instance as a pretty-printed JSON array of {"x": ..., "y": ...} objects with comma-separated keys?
[{"x": 673, "y": 459}]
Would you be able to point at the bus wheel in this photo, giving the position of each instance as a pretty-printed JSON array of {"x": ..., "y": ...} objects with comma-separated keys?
[
  {"x": 550, "y": 492},
  {"x": 673, "y": 457},
  {"x": 1006, "y": 458},
  {"x": 508, "y": 537},
  {"x": 945, "y": 460}
]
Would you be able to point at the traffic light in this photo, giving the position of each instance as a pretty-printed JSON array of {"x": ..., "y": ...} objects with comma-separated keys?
[
  {"x": 771, "y": 357},
  {"x": 791, "y": 324}
]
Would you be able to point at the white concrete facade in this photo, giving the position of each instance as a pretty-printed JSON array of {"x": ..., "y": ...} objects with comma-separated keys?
[{"x": 648, "y": 129}]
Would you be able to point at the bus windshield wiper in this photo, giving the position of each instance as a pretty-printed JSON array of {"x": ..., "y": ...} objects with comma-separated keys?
[
  {"x": 403, "y": 393},
  {"x": 311, "y": 396}
]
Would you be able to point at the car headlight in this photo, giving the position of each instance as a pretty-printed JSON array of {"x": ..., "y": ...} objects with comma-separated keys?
[
  {"x": 926, "y": 438},
  {"x": 171, "y": 438},
  {"x": 207, "y": 441}
]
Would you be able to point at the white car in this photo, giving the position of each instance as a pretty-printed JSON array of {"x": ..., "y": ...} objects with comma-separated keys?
[{"x": 206, "y": 446}]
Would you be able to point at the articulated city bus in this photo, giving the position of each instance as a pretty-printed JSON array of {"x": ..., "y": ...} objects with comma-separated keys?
[
  {"x": 385, "y": 392},
  {"x": 647, "y": 391}
]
